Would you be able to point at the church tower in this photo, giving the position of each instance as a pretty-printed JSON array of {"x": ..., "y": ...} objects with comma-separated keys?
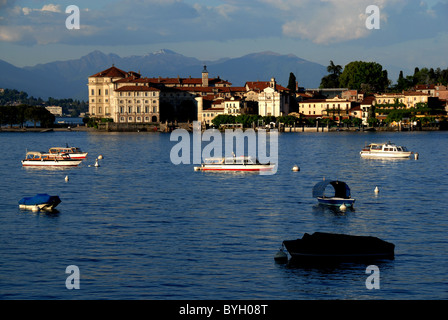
[{"x": 205, "y": 77}]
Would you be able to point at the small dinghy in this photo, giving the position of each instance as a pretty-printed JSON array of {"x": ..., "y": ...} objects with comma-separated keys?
[
  {"x": 41, "y": 201},
  {"x": 341, "y": 193},
  {"x": 322, "y": 246}
]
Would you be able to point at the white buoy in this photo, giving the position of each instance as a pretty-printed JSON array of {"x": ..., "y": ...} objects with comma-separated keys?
[
  {"x": 280, "y": 255},
  {"x": 96, "y": 163},
  {"x": 295, "y": 168},
  {"x": 66, "y": 178},
  {"x": 376, "y": 189},
  {"x": 343, "y": 207},
  {"x": 100, "y": 157},
  {"x": 416, "y": 156}
]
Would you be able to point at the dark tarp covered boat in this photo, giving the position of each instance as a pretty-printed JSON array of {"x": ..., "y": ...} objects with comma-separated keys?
[
  {"x": 341, "y": 193},
  {"x": 322, "y": 246},
  {"x": 41, "y": 201}
]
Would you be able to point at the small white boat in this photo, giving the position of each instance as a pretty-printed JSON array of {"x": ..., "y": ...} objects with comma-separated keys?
[
  {"x": 73, "y": 152},
  {"x": 39, "y": 159},
  {"x": 241, "y": 163},
  {"x": 385, "y": 150}
]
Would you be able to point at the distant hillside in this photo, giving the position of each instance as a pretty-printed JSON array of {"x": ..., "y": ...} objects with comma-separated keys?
[{"x": 68, "y": 79}]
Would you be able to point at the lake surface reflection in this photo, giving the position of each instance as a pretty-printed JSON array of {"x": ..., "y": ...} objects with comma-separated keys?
[{"x": 139, "y": 227}]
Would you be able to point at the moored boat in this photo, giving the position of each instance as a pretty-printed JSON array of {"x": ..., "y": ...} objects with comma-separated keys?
[
  {"x": 41, "y": 201},
  {"x": 321, "y": 246},
  {"x": 73, "y": 152},
  {"x": 40, "y": 159},
  {"x": 341, "y": 195},
  {"x": 387, "y": 150},
  {"x": 240, "y": 163}
]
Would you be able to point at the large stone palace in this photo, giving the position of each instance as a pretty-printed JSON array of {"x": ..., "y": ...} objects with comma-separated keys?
[{"x": 127, "y": 97}]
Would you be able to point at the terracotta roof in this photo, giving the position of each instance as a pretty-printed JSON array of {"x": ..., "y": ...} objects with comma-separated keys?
[
  {"x": 415, "y": 93},
  {"x": 261, "y": 85},
  {"x": 368, "y": 100},
  {"x": 112, "y": 72}
]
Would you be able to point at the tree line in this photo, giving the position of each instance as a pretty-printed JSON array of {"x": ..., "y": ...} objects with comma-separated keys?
[
  {"x": 19, "y": 115},
  {"x": 69, "y": 106},
  {"x": 371, "y": 77}
]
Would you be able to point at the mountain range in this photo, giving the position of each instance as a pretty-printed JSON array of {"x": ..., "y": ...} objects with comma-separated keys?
[{"x": 68, "y": 79}]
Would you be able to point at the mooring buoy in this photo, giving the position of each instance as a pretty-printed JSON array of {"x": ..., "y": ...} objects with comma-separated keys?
[
  {"x": 281, "y": 255},
  {"x": 295, "y": 168}
]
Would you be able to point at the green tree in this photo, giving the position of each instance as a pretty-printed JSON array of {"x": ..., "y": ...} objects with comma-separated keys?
[
  {"x": 292, "y": 83},
  {"x": 223, "y": 119},
  {"x": 332, "y": 79},
  {"x": 403, "y": 83},
  {"x": 358, "y": 73}
]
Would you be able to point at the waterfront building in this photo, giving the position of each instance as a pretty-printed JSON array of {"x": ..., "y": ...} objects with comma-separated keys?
[
  {"x": 366, "y": 106},
  {"x": 409, "y": 99},
  {"x": 335, "y": 108},
  {"x": 273, "y": 99},
  {"x": 127, "y": 97}
]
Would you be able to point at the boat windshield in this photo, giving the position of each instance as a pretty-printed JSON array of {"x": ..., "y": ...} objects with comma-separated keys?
[{"x": 213, "y": 160}]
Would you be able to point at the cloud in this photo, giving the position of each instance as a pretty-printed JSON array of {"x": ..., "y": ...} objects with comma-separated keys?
[
  {"x": 45, "y": 8},
  {"x": 137, "y": 22}
]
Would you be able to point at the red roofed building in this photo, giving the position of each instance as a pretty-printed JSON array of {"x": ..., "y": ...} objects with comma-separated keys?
[{"x": 126, "y": 97}]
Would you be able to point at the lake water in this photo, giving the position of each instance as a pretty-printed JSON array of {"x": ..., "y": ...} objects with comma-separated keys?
[{"x": 139, "y": 227}]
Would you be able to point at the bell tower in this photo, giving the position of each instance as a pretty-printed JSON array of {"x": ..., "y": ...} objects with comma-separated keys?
[{"x": 205, "y": 77}]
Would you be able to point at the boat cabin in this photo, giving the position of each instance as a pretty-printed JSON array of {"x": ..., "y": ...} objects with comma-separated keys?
[
  {"x": 65, "y": 150},
  {"x": 241, "y": 160},
  {"x": 35, "y": 155},
  {"x": 385, "y": 147}
]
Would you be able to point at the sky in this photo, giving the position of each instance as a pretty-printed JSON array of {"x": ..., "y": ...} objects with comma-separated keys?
[{"x": 411, "y": 33}]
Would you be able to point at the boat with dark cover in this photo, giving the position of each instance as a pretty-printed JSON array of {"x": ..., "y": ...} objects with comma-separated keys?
[
  {"x": 341, "y": 193},
  {"x": 321, "y": 246},
  {"x": 41, "y": 201}
]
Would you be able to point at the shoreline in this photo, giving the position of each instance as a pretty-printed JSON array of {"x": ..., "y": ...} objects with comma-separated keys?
[{"x": 284, "y": 130}]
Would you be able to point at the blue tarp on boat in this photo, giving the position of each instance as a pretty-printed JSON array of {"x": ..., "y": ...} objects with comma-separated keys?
[
  {"x": 40, "y": 198},
  {"x": 341, "y": 189}
]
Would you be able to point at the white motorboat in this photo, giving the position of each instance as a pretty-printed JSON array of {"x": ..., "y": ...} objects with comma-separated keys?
[
  {"x": 35, "y": 158},
  {"x": 385, "y": 150},
  {"x": 241, "y": 163},
  {"x": 73, "y": 152}
]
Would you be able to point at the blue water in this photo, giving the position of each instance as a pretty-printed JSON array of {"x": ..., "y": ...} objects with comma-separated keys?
[{"x": 139, "y": 227}]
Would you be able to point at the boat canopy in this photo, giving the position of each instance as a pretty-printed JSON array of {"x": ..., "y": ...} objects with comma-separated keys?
[
  {"x": 39, "y": 199},
  {"x": 341, "y": 189}
]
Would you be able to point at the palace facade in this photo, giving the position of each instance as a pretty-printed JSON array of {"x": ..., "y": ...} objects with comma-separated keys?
[{"x": 127, "y": 97}]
